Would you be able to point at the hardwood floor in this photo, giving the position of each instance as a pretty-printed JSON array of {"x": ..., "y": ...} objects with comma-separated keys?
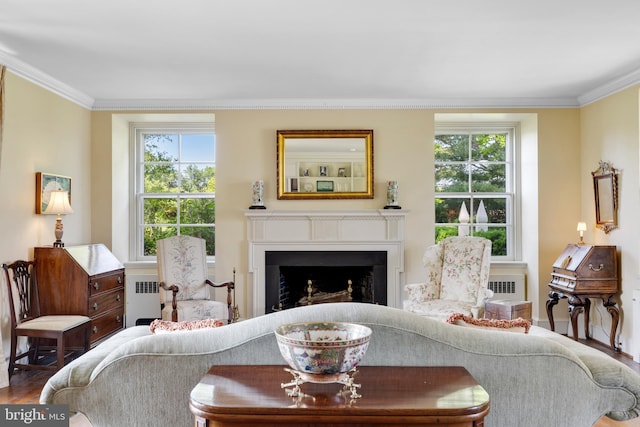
[{"x": 26, "y": 386}]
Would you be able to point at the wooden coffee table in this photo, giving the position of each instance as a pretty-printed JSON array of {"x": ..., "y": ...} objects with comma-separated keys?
[{"x": 390, "y": 396}]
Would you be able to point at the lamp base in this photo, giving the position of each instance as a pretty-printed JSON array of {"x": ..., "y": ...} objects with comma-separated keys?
[
  {"x": 58, "y": 232},
  {"x": 393, "y": 207},
  {"x": 257, "y": 207}
]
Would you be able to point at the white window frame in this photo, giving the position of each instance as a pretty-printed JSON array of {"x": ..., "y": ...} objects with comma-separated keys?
[
  {"x": 513, "y": 187},
  {"x": 136, "y": 221}
]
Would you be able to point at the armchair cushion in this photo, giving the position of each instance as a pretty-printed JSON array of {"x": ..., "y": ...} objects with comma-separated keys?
[
  {"x": 422, "y": 292},
  {"x": 440, "y": 308},
  {"x": 197, "y": 309}
]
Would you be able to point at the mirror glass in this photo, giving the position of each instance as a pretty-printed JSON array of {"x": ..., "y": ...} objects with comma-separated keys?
[
  {"x": 605, "y": 187},
  {"x": 325, "y": 164}
]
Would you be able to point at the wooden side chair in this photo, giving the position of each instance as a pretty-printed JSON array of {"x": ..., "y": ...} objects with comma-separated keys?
[
  {"x": 184, "y": 287},
  {"x": 27, "y": 322}
]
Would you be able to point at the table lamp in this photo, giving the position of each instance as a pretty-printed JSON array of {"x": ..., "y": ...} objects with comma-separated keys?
[
  {"x": 59, "y": 205},
  {"x": 582, "y": 227}
]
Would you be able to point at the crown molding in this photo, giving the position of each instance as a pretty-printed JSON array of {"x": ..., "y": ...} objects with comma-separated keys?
[
  {"x": 331, "y": 104},
  {"x": 39, "y": 78},
  {"x": 34, "y": 75},
  {"x": 610, "y": 88}
]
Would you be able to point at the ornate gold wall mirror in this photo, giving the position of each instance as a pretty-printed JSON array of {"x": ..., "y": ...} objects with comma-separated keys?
[
  {"x": 605, "y": 188},
  {"x": 325, "y": 164}
]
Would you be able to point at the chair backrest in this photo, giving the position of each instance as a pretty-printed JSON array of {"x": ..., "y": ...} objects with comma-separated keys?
[
  {"x": 466, "y": 262},
  {"x": 182, "y": 261},
  {"x": 22, "y": 276}
]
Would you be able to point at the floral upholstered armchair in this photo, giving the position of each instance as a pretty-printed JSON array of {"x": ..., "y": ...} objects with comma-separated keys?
[
  {"x": 457, "y": 271},
  {"x": 184, "y": 287}
]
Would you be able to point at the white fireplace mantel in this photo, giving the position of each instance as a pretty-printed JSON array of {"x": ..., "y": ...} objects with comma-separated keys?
[{"x": 351, "y": 230}]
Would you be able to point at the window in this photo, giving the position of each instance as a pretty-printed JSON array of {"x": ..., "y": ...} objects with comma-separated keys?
[
  {"x": 475, "y": 185},
  {"x": 175, "y": 185}
]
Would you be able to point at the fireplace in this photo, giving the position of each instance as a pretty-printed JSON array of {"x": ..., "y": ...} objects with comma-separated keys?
[
  {"x": 299, "y": 278},
  {"x": 379, "y": 234}
]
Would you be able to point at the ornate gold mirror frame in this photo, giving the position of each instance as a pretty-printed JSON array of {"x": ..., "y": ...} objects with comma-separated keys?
[
  {"x": 325, "y": 164},
  {"x": 605, "y": 188}
]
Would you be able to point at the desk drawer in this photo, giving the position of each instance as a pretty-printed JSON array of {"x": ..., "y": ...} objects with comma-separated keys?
[
  {"x": 99, "y": 284},
  {"x": 106, "y": 324},
  {"x": 105, "y": 301}
]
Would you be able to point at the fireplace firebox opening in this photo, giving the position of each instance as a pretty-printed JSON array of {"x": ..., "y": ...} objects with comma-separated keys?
[{"x": 296, "y": 278}]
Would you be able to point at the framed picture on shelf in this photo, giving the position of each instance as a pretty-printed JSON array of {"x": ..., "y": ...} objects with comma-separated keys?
[
  {"x": 342, "y": 172},
  {"x": 323, "y": 171},
  {"x": 324, "y": 186},
  {"x": 45, "y": 184}
]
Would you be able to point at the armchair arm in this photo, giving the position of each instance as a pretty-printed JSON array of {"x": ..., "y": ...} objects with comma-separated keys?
[
  {"x": 174, "y": 302},
  {"x": 230, "y": 285},
  {"x": 484, "y": 294},
  {"x": 422, "y": 292}
]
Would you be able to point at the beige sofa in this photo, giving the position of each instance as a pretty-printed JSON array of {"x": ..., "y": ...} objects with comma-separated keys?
[{"x": 540, "y": 379}]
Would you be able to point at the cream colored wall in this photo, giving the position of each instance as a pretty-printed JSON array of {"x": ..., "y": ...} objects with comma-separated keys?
[
  {"x": 42, "y": 133},
  {"x": 610, "y": 133},
  {"x": 247, "y": 151},
  {"x": 558, "y": 201},
  {"x": 403, "y": 150},
  {"x": 102, "y": 184}
]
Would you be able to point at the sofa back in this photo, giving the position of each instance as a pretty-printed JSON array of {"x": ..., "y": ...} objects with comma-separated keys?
[{"x": 528, "y": 378}]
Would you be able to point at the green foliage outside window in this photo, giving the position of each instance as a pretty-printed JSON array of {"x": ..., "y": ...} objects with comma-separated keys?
[
  {"x": 179, "y": 188},
  {"x": 473, "y": 169}
]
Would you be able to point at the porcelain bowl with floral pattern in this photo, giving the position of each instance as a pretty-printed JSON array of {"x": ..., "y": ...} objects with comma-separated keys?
[{"x": 323, "y": 347}]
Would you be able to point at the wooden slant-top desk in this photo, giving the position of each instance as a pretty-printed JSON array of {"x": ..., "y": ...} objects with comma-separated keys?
[
  {"x": 582, "y": 272},
  {"x": 87, "y": 280}
]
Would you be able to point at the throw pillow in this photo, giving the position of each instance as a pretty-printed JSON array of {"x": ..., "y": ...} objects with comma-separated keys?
[
  {"x": 161, "y": 326},
  {"x": 515, "y": 325}
]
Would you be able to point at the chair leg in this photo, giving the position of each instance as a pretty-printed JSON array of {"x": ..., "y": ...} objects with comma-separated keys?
[
  {"x": 12, "y": 356},
  {"x": 60, "y": 351},
  {"x": 34, "y": 351},
  {"x": 87, "y": 338}
]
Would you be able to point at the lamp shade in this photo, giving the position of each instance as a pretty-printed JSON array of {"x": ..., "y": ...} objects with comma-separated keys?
[
  {"x": 59, "y": 203},
  {"x": 582, "y": 226}
]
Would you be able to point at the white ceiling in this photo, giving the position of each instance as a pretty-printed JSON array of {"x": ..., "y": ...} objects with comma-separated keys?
[{"x": 157, "y": 54}]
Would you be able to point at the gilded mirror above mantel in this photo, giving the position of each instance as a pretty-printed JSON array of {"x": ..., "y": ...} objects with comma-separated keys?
[
  {"x": 605, "y": 188},
  {"x": 325, "y": 164}
]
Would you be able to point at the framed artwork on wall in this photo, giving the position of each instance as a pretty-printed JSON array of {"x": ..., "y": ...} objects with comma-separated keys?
[{"x": 45, "y": 184}]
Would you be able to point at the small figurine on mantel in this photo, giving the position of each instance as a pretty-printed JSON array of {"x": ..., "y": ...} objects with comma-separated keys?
[
  {"x": 392, "y": 195},
  {"x": 257, "y": 197}
]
